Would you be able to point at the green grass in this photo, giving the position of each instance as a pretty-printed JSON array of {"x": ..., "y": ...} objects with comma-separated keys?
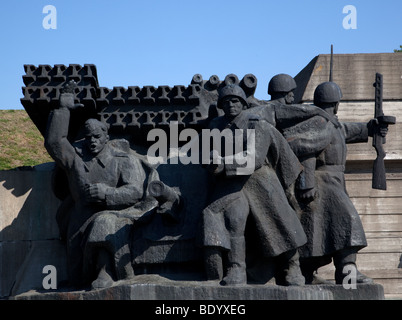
[{"x": 21, "y": 143}]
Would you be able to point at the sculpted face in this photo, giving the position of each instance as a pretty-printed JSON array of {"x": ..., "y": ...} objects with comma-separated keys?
[
  {"x": 232, "y": 106},
  {"x": 290, "y": 98},
  {"x": 96, "y": 136}
]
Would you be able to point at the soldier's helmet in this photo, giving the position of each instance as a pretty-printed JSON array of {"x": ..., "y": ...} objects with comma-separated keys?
[
  {"x": 232, "y": 90},
  {"x": 327, "y": 92},
  {"x": 281, "y": 83}
]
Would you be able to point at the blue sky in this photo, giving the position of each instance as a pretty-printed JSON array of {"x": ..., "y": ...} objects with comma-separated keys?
[{"x": 161, "y": 42}]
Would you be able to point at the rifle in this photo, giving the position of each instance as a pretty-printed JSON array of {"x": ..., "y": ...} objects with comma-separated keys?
[
  {"x": 331, "y": 66},
  {"x": 379, "y": 180}
]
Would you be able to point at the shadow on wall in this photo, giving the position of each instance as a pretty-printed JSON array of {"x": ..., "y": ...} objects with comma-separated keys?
[{"x": 29, "y": 236}]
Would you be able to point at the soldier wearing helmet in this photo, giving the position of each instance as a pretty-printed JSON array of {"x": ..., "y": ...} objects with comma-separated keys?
[
  {"x": 261, "y": 194},
  {"x": 281, "y": 88},
  {"x": 328, "y": 95},
  {"x": 332, "y": 224},
  {"x": 232, "y": 100}
]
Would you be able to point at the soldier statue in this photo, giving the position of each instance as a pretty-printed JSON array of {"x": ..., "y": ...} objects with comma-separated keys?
[
  {"x": 108, "y": 191},
  {"x": 260, "y": 195},
  {"x": 332, "y": 225},
  {"x": 281, "y": 87}
]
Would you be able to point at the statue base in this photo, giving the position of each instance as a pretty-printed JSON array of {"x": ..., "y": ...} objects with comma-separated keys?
[{"x": 155, "y": 287}]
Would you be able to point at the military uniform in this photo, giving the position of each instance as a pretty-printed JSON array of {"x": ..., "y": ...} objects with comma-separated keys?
[
  {"x": 260, "y": 194},
  {"x": 123, "y": 177}
]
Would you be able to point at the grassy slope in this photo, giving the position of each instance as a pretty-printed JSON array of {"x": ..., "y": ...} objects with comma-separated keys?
[{"x": 21, "y": 143}]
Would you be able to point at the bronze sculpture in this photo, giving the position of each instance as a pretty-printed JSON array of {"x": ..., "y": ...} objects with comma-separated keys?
[
  {"x": 331, "y": 222},
  {"x": 108, "y": 187},
  {"x": 222, "y": 207},
  {"x": 262, "y": 194}
]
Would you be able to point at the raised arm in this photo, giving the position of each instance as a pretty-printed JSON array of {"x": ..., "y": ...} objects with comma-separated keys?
[
  {"x": 356, "y": 132},
  {"x": 56, "y": 142}
]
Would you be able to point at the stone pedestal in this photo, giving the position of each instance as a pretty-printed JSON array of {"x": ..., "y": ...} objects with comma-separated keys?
[{"x": 153, "y": 287}]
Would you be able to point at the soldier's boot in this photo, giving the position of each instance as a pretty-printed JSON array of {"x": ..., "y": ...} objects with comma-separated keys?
[
  {"x": 345, "y": 264},
  {"x": 123, "y": 264},
  {"x": 236, "y": 273},
  {"x": 313, "y": 278},
  {"x": 105, "y": 271},
  {"x": 291, "y": 274},
  {"x": 309, "y": 274},
  {"x": 213, "y": 263},
  {"x": 309, "y": 268}
]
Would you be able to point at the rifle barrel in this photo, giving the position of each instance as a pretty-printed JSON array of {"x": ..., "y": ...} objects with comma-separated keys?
[{"x": 331, "y": 63}]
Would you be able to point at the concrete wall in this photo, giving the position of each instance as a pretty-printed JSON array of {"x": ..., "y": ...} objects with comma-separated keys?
[
  {"x": 355, "y": 75},
  {"x": 29, "y": 237},
  {"x": 381, "y": 215}
]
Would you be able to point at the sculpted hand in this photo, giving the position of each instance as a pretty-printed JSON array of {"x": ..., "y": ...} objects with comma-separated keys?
[
  {"x": 67, "y": 101},
  {"x": 96, "y": 192},
  {"x": 374, "y": 125},
  {"x": 383, "y": 129}
]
